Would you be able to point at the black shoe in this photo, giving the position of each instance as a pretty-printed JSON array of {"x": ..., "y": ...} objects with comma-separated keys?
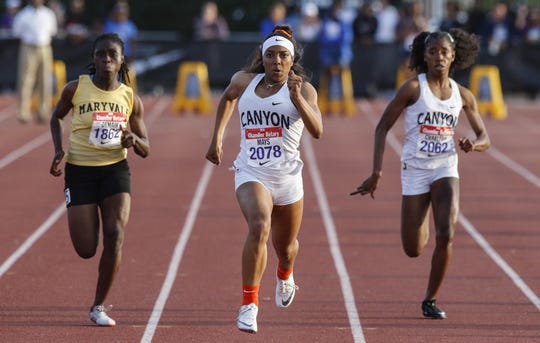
[{"x": 430, "y": 310}]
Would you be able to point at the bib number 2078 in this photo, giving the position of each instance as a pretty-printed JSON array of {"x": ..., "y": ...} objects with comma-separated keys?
[{"x": 264, "y": 152}]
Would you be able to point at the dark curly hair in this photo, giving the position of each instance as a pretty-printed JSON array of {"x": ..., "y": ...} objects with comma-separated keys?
[
  {"x": 466, "y": 46},
  {"x": 256, "y": 65},
  {"x": 124, "y": 70}
]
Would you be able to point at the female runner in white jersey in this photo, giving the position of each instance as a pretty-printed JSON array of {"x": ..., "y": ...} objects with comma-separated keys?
[
  {"x": 275, "y": 103},
  {"x": 431, "y": 102}
]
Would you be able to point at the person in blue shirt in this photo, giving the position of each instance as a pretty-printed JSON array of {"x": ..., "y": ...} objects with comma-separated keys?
[
  {"x": 276, "y": 16},
  {"x": 124, "y": 27},
  {"x": 335, "y": 38}
]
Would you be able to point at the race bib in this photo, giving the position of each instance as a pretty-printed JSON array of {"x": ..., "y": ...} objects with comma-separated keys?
[
  {"x": 107, "y": 128},
  {"x": 435, "y": 141},
  {"x": 264, "y": 146}
]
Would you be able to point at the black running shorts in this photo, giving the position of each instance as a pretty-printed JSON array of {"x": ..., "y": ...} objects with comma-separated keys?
[{"x": 90, "y": 185}]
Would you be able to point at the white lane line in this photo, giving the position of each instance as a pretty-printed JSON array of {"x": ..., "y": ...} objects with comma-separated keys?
[
  {"x": 25, "y": 149},
  {"x": 518, "y": 281},
  {"x": 476, "y": 235},
  {"x": 179, "y": 249},
  {"x": 43, "y": 228},
  {"x": 154, "y": 114},
  {"x": 514, "y": 166},
  {"x": 333, "y": 242},
  {"x": 157, "y": 111},
  {"x": 23, "y": 248}
]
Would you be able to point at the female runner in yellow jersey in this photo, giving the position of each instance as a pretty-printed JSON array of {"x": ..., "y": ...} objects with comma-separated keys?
[{"x": 107, "y": 120}]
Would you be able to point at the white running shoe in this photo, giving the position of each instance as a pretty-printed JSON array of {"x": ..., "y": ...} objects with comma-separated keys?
[
  {"x": 285, "y": 290},
  {"x": 98, "y": 314},
  {"x": 247, "y": 318}
]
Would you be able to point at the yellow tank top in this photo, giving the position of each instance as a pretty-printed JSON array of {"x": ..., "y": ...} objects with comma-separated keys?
[{"x": 98, "y": 117}]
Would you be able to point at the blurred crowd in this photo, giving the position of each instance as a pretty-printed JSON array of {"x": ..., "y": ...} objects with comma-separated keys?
[
  {"x": 371, "y": 22},
  {"x": 75, "y": 24},
  {"x": 382, "y": 21},
  {"x": 338, "y": 29}
]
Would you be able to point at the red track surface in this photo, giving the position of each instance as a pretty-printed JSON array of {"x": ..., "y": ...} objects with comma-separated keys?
[{"x": 46, "y": 290}]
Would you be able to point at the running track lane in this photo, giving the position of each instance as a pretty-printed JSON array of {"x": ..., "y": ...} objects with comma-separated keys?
[{"x": 481, "y": 300}]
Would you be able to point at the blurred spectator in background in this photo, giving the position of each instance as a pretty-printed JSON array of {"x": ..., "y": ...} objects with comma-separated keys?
[
  {"x": 411, "y": 23},
  {"x": 365, "y": 25},
  {"x": 532, "y": 28},
  {"x": 454, "y": 17},
  {"x": 364, "y": 28},
  {"x": 294, "y": 14},
  {"x": 6, "y": 20},
  {"x": 277, "y": 16},
  {"x": 126, "y": 29},
  {"x": 335, "y": 38},
  {"x": 36, "y": 26},
  {"x": 60, "y": 12},
  {"x": 387, "y": 20},
  {"x": 78, "y": 23},
  {"x": 475, "y": 18},
  {"x": 520, "y": 15},
  {"x": 497, "y": 28},
  {"x": 335, "y": 48},
  {"x": 310, "y": 24},
  {"x": 210, "y": 25}
]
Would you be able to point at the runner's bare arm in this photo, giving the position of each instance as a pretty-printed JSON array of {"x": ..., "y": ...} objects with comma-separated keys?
[
  {"x": 62, "y": 108},
  {"x": 227, "y": 102}
]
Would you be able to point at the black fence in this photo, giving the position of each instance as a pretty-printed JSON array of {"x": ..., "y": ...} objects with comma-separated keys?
[{"x": 374, "y": 68}]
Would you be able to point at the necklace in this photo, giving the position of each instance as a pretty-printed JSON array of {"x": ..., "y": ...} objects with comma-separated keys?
[{"x": 271, "y": 85}]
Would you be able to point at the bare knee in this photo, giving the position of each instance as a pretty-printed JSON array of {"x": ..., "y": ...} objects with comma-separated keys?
[
  {"x": 259, "y": 230},
  {"x": 414, "y": 246},
  {"x": 444, "y": 239},
  {"x": 85, "y": 248},
  {"x": 287, "y": 252},
  {"x": 86, "y": 253},
  {"x": 413, "y": 251},
  {"x": 113, "y": 240}
]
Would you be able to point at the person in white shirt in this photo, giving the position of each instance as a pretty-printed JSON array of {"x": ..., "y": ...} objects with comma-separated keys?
[
  {"x": 275, "y": 102},
  {"x": 387, "y": 18},
  {"x": 431, "y": 102},
  {"x": 35, "y": 25}
]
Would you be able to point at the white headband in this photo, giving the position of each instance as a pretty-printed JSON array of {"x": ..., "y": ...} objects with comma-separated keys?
[{"x": 278, "y": 40}]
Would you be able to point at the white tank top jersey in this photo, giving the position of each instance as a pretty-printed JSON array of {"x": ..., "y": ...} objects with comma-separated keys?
[
  {"x": 271, "y": 129},
  {"x": 429, "y": 128}
]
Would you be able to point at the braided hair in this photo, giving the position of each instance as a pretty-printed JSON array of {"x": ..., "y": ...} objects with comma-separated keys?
[
  {"x": 285, "y": 31},
  {"x": 124, "y": 70},
  {"x": 466, "y": 46}
]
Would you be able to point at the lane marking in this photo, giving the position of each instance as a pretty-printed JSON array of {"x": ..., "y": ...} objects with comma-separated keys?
[
  {"x": 154, "y": 114},
  {"x": 179, "y": 249},
  {"x": 25, "y": 149},
  {"x": 333, "y": 242},
  {"x": 518, "y": 281},
  {"x": 514, "y": 166},
  {"x": 41, "y": 230},
  {"x": 471, "y": 230}
]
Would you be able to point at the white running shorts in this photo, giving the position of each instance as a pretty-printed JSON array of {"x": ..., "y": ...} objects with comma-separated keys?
[
  {"x": 416, "y": 181},
  {"x": 285, "y": 188}
]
